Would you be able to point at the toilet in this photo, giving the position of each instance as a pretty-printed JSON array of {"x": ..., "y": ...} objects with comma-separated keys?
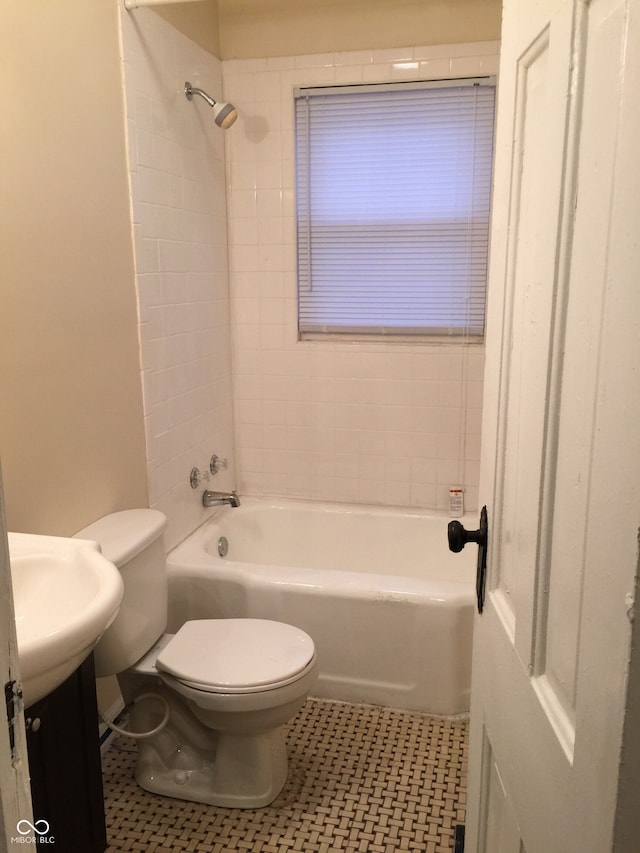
[{"x": 215, "y": 696}]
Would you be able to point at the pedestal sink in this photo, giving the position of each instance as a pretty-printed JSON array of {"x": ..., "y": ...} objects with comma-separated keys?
[{"x": 66, "y": 594}]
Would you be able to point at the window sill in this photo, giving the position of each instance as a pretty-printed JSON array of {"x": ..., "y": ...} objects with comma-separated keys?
[{"x": 353, "y": 338}]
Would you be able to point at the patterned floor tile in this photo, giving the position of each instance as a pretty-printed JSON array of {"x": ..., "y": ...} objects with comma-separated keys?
[{"x": 361, "y": 778}]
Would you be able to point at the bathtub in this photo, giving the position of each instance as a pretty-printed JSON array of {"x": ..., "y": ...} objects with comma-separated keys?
[{"x": 389, "y": 607}]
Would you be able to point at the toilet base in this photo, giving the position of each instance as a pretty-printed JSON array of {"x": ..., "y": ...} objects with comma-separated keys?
[
  {"x": 247, "y": 771},
  {"x": 223, "y": 749}
]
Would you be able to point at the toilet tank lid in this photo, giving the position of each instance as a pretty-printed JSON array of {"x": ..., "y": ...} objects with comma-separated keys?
[{"x": 122, "y": 535}]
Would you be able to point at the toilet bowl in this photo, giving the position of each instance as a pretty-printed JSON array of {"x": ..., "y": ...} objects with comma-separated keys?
[
  {"x": 216, "y": 694},
  {"x": 225, "y": 746}
]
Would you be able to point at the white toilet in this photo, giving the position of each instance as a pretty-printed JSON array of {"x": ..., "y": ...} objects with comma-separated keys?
[{"x": 218, "y": 692}]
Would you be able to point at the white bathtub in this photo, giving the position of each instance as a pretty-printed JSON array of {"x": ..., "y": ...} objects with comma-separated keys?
[{"x": 389, "y": 607}]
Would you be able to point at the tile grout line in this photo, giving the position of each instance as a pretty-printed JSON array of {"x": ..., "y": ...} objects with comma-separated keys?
[{"x": 360, "y": 778}]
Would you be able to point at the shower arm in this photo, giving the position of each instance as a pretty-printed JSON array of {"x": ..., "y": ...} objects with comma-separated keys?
[{"x": 190, "y": 90}]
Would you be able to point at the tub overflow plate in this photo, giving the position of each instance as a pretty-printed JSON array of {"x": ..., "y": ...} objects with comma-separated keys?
[{"x": 223, "y": 546}]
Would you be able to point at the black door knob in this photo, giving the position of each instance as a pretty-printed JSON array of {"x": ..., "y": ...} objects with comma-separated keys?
[{"x": 458, "y": 538}]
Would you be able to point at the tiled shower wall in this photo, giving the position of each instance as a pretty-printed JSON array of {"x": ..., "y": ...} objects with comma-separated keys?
[
  {"x": 377, "y": 422},
  {"x": 374, "y": 422},
  {"x": 176, "y": 160}
]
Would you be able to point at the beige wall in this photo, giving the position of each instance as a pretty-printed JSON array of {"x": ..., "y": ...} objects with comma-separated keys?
[
  {"x": 237, "y": 29},
  {"x": 259, "y": 28},
  {"x": 198, "y": 21},
  {"x": 71, "y": 426}
]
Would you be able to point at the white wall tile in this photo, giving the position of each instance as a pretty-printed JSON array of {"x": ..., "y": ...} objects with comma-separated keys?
[
  {"x": 176, "y": 160},
  {"x": 378, "y": 422},
  {"x": 370, "y": 422}
]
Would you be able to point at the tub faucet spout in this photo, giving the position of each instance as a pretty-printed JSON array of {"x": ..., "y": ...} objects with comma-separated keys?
[{"x": 210, "y": 498}]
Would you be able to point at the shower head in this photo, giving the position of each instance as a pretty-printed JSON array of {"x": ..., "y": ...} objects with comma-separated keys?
[{"x": 224, "y": 114}]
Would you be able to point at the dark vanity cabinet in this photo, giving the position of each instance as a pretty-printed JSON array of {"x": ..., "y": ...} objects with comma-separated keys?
[{"x": 65, "y": 768}]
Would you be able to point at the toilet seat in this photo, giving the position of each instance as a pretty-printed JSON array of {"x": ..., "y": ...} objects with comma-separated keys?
[{"x": 237, "y": 655}]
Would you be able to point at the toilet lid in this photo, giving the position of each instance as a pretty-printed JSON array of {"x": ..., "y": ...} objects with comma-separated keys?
[{"x": 236, "y": 655}]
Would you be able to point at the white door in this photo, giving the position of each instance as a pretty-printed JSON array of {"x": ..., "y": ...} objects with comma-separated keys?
[
  {"x": 15, "y": 796},
  {"x": 561, "y": 455}
]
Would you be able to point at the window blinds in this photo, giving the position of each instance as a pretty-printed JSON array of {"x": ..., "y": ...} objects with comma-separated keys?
[{"x": 393, "y": 197}]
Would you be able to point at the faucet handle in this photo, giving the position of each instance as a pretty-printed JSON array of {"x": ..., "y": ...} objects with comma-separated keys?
[
  {"x": 216, "y": 464},
  {"x": 197, "y": 476}
]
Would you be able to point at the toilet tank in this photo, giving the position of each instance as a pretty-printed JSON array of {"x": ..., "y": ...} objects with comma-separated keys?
[{"x": 133, "y": 541}]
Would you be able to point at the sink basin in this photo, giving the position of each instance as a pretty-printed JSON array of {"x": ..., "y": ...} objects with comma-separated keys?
[{"x": 66, "y": 594}]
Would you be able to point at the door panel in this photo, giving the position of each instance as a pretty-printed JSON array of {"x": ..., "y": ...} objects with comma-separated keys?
[
  {"x": 500, "y": 831},
  {"x": 600, "y": 36},
  {"x": 541, "y": 185}
]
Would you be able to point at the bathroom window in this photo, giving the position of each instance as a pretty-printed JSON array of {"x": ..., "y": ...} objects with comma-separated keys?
[{"x": 393, "y": 196}]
